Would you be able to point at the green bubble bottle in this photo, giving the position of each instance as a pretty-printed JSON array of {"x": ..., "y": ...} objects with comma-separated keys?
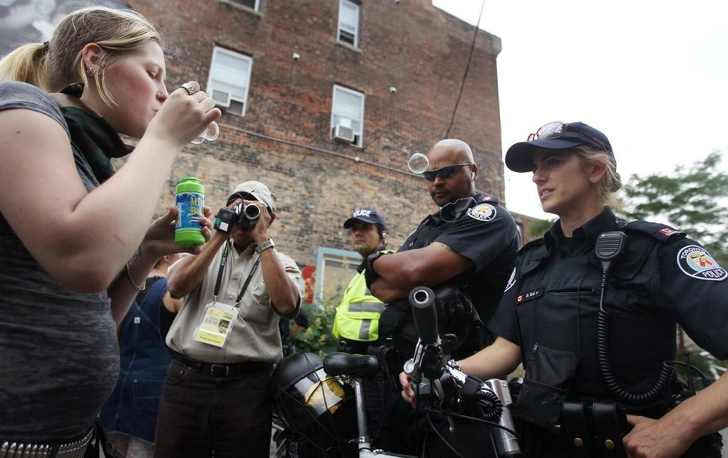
[{"x": 190, "y": 202}]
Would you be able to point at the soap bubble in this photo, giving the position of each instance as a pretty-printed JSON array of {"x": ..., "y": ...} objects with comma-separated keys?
[
  {"x": 210, "y": 134},
  {"x": 418, "y": 163}
]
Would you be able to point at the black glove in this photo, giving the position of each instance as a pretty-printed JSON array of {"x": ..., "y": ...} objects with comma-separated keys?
[{"x": 454, "y": 310}]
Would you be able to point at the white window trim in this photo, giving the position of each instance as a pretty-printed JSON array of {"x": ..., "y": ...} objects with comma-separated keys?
[
  {"x": 356, "y": 25},
  {"x": 237, "y": 55},
  {"x": 332, "y": 254},
  {"x": 256, "y": 8},
  {"x": 360, "y": 132}
]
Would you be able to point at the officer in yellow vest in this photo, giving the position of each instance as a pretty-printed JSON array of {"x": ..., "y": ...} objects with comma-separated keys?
[{"x": 357, "y": 317}]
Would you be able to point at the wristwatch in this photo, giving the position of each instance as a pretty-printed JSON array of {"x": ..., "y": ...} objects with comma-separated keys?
[
  {"x": 264, "y": 246},
  {"x": 373, "y": 257}
]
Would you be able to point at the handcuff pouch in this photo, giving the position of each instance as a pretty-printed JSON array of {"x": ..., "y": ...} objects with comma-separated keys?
[
  {"x": 610, "y": 426},
  {"x": 576, "y": 429}
]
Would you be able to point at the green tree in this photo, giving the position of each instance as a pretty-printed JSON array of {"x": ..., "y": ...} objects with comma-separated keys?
[
  {"x": 317, "y": 337},
  {"x": 693, "y": 199},
  {"x": 538, "y": 227}
]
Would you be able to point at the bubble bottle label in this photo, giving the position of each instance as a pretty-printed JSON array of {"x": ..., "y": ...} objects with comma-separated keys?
[{"x": 190, "y": 202}]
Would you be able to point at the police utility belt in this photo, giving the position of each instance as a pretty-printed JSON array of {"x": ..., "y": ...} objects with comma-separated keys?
[{"x": 73, "y": 449}]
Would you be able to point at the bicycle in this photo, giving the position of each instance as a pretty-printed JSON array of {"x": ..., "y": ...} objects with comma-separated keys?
[{"x": 319, "y": 403}]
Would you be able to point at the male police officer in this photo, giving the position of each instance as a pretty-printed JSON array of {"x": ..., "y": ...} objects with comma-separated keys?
[
  {"x": 465, "y": 251},
  {"x": 357, "y": 317}
]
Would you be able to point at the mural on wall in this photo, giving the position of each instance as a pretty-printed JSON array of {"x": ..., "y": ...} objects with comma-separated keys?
[
  {"x": 308, "y": 273},
  {"x": 28, "y": 21}
]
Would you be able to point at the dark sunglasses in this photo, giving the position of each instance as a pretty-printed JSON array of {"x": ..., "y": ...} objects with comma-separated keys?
[
  {"x": 443, "y": 172},
  {"x": 556, "y": 129}
]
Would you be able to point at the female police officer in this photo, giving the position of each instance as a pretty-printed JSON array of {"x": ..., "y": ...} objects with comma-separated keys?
[{"x": 592, "y": 306}]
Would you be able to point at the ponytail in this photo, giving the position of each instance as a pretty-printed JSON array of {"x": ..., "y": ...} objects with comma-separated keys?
[{"x": 27, "y": 63}]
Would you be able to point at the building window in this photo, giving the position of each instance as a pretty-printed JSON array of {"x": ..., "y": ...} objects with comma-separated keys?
[
  {"x": 252, "y": 4},
  {"x": 229, "y": 80},
  {"x": 334, "y": 270},
  {"x": 347, "y": 116},
  {"x": 349, "y": 22}
]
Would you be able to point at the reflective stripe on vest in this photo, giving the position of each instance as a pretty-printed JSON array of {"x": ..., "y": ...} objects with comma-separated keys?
[
  {"x": 357, "y": 317},
  {"x": 377, "y": 307}
]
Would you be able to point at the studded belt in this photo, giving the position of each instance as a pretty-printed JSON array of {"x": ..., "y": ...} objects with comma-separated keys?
[{"x": 73, "y": 449}]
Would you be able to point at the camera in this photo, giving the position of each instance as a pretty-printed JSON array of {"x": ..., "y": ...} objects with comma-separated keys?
[{"x": 245, "y": 216}]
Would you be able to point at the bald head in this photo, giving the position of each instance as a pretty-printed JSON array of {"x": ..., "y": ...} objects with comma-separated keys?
[
  {"x": 459, "y": 184},
  {"x": 455, "y": 149}
]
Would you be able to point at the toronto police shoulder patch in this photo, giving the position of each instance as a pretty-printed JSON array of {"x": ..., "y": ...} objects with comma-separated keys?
[
  {"x": 696, "y": 262},
  {"x": 483, "y": 212}
]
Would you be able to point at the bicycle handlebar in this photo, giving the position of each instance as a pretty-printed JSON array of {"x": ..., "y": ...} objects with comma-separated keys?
[
  {"x": 450, "y": 384},
  {"x": 422, "y": 300}
]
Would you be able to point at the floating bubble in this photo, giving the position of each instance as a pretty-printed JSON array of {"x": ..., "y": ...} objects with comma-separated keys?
[
  {"x": 418, "y": 163},
  {"x": 210, "y": 134}
]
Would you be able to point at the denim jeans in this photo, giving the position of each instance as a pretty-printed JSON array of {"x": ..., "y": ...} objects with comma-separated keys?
[{"x": 200, "y": 414}]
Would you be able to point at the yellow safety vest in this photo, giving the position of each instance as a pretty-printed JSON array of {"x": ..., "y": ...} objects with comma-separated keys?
[{"x": 357, "y": 317}]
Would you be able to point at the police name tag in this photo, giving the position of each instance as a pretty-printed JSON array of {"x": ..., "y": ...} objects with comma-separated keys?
[{"x": 217, "y": 322}]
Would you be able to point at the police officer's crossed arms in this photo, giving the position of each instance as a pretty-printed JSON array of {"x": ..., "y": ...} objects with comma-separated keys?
[
  {"x": 465, "y": 251},
  {"x": 468, "y": 247},
  {"x": 592, "y": 311}
]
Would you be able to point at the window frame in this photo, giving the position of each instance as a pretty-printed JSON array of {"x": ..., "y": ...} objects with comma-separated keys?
[
  {"x": 359, "y": 135},
  {"x": 357, "y": 27},
  {"x": 345, "y": 257},
  {"x": 246, "y": 84},
  {"x": 239, "y": 4}
]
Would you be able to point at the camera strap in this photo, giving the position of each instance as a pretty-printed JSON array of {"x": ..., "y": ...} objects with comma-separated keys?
[{"x": 221, "y": 270}]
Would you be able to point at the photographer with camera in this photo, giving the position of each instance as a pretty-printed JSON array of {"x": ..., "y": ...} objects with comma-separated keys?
[{"x": 216, "y": 398}]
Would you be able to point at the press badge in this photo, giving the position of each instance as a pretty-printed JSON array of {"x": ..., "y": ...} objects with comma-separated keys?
[{"x": 217, "y": 322}]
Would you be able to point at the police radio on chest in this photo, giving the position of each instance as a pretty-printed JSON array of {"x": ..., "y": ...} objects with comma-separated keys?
[{"x": 609, "y": 247}]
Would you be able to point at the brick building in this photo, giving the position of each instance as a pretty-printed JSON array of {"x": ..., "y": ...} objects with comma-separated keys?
[{"x": 325, "y": 101}]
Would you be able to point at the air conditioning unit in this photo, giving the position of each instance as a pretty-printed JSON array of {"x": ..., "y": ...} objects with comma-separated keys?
[
  {"x": 221, "y": 98},
  {"x": 343, "y": 134}
]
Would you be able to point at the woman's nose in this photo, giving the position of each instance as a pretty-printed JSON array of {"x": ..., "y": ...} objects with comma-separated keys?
[
  {"x": 537, "y": 176},
  {"x": 163, "y": 94}
]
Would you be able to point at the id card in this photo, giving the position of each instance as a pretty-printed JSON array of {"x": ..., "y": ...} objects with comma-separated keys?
[{"x": 216, "y": 324}]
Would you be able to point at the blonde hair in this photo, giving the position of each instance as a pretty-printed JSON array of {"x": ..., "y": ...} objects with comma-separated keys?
[
  {"x": 611, "y": 182},
  {"x": 59, "y": 63}
]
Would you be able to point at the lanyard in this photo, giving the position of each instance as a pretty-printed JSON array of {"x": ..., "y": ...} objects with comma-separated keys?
[{"x": 220, "y": 271}]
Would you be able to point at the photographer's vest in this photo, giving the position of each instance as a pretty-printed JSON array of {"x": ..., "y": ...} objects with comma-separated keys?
[{"x": 357, "y": 317}]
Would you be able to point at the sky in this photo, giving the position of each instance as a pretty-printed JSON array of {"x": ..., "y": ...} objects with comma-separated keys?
[{"x": 651, "y": 75}]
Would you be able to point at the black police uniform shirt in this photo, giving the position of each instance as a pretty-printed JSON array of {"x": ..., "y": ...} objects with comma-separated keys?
[
  {"x": 479, "y": 229},
  {"x": 663, "y": 278}
]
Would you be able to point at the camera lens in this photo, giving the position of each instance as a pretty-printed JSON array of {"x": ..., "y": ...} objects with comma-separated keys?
[{"x": 252, "y": 212}]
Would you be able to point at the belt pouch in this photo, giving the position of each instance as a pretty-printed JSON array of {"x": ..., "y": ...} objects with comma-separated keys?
[
  {"x": 576, "y": 429},
  {"x": 610, "y": 425},
  {"x": 549, "y": 374}
]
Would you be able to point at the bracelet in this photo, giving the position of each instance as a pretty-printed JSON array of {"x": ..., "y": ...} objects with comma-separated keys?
[
  {"x": 131, "y": 280},
  {"x": 264, "y": 246}
]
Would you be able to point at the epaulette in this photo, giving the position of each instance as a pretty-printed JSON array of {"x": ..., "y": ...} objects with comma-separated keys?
[
  {"x": 532, "y": 244},
  {"x": 489, "y": 199},
  {"x": 658, "y": 231}
]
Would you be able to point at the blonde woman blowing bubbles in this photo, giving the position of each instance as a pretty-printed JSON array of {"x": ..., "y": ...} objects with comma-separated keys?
[{"x": 75, "y": 240}]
